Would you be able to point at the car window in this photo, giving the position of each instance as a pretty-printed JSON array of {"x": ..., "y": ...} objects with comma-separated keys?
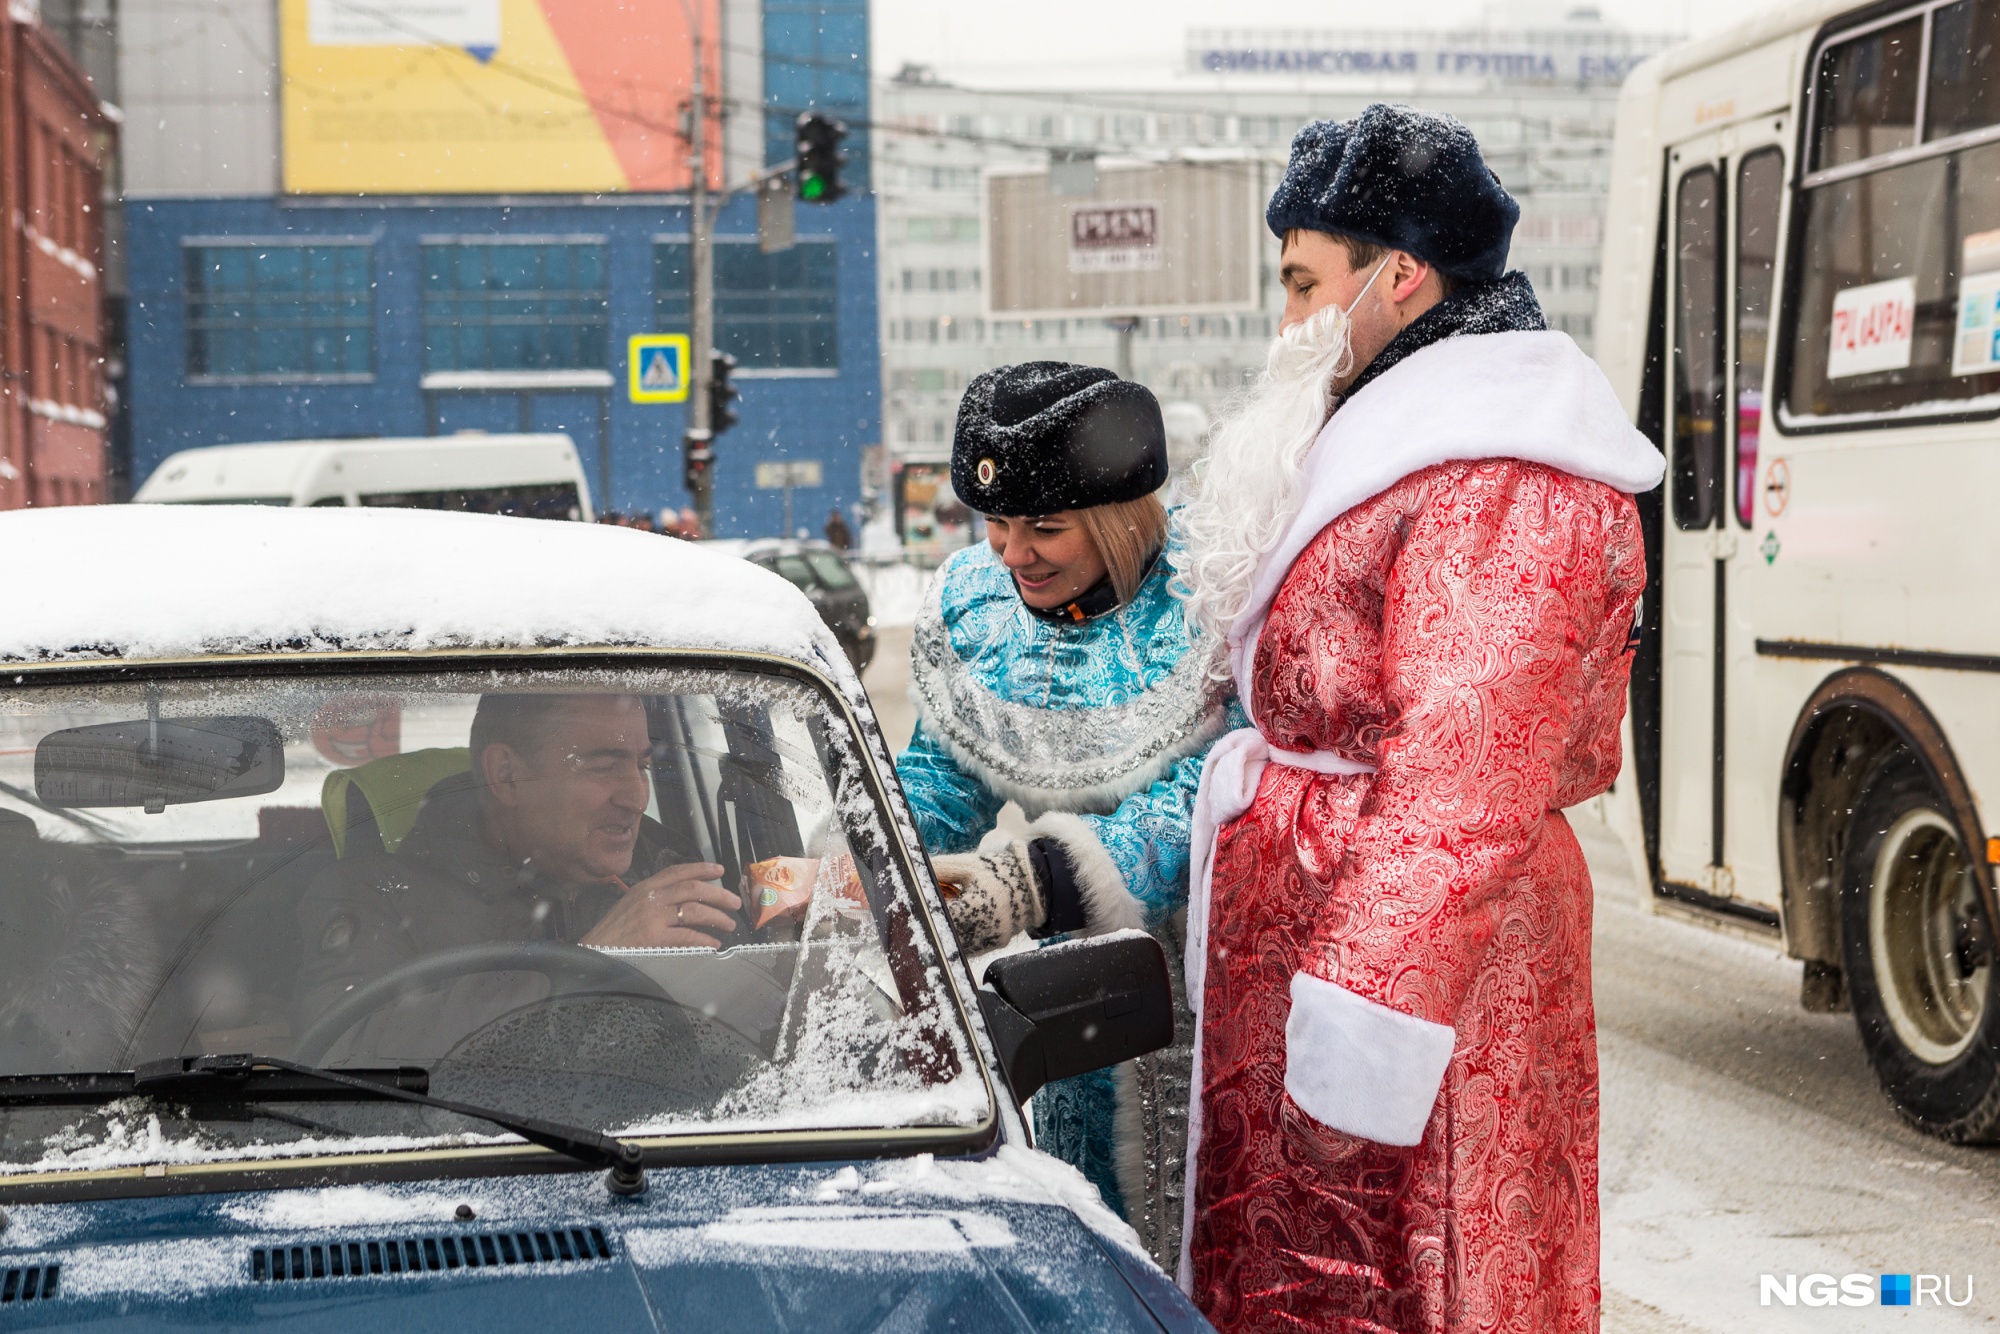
[
  {"x": 317, "y": 868},
  {"x": 554, "y": 501},
  {"x": 831, "y": 569},
  {"x": 795, "y": 569}
]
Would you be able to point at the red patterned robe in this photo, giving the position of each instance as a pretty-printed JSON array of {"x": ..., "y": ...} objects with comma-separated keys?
[{"x": 1465, "y": 632}]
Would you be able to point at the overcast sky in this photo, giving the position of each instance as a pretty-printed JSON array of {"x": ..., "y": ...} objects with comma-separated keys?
[{"x": 1038, "y": 42}]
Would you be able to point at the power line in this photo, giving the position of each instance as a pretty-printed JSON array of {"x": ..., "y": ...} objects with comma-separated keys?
[{"x": 429, "y": 39}]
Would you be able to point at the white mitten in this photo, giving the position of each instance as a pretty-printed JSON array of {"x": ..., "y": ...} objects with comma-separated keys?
[{"x": 997, "y": 895}]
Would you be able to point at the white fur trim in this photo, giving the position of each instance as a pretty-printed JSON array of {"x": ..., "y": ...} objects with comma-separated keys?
[
  {"x": 1128, "y": 1140},
  {"x": 1360, "y": 1067},
  {"x": 1107, "y": 904},
  {"x": 1096, "y": 798},
  {"x": 1527, "y": 395}
]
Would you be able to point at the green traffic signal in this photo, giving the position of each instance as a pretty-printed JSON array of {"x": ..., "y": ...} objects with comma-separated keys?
[{"x": 819, "y": 158}]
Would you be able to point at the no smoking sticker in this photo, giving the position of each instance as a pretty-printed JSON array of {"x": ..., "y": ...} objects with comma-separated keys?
[{"x": 1777, "y": 487}]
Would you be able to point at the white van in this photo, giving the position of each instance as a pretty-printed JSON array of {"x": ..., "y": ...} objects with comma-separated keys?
[{"x": 534, "y": 476}]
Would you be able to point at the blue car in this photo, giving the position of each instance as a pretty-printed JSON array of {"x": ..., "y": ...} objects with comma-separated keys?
[{"x": 441, "y": 921}]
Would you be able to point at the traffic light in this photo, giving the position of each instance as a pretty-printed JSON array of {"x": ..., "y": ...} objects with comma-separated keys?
[
  {"x": 721, "y": 393},
  {"x": 820, "y": 158},
  {"x": 697, "y": 458}
]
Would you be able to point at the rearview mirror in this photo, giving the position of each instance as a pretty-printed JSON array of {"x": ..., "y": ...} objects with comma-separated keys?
[
  {"x": 156, "y": 763},
  {"x": 1078, "y": 1006}
]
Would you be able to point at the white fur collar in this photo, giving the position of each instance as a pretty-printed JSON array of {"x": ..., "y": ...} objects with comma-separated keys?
[{"x": 1532, "y": 396}]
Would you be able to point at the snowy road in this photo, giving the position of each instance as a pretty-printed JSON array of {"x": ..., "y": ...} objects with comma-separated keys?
[{"x": 1742, "y": 1136}]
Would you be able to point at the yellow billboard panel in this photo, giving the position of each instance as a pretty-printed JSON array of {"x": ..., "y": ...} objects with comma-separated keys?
[{"x": 490, "y": 96}]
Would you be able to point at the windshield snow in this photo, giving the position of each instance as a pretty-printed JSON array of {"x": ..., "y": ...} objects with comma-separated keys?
[{"x": 646, "y": 901}]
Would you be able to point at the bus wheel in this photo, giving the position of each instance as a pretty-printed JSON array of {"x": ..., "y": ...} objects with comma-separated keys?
[{"x": 1919, "y": 962}]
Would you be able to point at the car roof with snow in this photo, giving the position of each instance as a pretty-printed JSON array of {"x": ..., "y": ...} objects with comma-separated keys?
[{"x": 160, "y": 582}]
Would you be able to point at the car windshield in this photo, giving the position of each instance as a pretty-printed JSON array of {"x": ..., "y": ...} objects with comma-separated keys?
[
  {"x": 831, "y": 569},
  {"x": 649, "y": 900}
]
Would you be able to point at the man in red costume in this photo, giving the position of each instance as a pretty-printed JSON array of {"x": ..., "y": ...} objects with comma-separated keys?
[{"x": 1417, "y": 540}]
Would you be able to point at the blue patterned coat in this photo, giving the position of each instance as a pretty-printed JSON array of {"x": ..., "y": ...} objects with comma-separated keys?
[{"x": 1098, "y": 730}]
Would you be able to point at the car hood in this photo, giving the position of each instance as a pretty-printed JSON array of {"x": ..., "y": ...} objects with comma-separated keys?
[{"x": 1002, "y": 1244}]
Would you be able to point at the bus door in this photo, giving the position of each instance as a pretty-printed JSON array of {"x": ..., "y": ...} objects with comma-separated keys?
[{"x": 1725, "y": 192}]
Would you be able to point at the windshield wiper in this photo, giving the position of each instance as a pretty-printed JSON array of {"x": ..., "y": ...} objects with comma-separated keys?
[
  {"x": 246, "y": 1078},
  {"x": 201, "y": 1078}
]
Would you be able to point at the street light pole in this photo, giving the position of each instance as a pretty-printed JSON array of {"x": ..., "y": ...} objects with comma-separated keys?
[{"x": 699, "y": 445}]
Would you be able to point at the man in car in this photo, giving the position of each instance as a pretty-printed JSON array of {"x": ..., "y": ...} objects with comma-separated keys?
[{"x": 545, "y": 838}]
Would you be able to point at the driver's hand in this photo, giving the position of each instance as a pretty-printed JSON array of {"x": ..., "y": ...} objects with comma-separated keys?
[{"x": 677, "y": 907}]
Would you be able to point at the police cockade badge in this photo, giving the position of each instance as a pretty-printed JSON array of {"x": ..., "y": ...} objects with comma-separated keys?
[{"x": 988, "y": 470}]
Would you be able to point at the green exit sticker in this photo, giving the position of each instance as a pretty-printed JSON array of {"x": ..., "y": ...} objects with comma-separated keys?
[{"x": 1769, "y": 547}]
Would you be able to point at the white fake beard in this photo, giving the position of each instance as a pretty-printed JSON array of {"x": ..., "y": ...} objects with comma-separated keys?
[{"x": 1246, "y": 484}]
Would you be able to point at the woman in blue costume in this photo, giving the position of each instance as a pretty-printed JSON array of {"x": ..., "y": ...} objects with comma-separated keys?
[{"x": 1052, "y": 667}]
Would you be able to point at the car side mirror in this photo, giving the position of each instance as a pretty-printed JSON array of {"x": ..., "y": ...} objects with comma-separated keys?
[{"x": 1077, "y": 1006}]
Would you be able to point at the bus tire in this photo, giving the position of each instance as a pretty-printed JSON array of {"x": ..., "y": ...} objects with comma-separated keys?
[{"x": 1919, "y": 962}]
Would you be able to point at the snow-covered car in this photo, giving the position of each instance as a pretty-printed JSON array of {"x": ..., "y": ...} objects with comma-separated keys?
[{"x": 358, "y": 874}]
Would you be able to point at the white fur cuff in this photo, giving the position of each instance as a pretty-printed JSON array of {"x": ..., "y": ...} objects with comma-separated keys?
[
  {"x": 1360, "y": 1067},
  {"x": 1107, "y": 904}
]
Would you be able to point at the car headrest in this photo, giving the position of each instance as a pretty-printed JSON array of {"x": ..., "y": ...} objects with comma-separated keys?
[{"x": 384, "y": 796}]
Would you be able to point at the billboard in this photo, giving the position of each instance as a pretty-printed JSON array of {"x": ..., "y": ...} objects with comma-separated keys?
[
  {"x": 490, "y": 96},
  {"x": 1154, "y": 238}
]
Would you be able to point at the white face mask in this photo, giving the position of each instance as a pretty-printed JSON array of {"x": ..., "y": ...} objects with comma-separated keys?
[{"x": 1348, "y": 309}]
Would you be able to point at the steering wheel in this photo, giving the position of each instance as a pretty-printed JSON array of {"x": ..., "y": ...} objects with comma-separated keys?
[{"x": 567, "y": 967}]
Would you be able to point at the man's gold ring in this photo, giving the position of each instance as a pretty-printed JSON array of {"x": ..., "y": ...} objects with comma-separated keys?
[{"x": 678, "y": 908}]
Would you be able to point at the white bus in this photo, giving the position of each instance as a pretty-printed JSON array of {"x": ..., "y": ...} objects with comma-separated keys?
[
  {"x": 534, "y": 476},
  {"x": 1801, "y": 304}
]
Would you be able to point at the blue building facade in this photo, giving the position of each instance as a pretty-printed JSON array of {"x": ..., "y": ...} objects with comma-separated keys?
[{"x": 272, "y": 317}]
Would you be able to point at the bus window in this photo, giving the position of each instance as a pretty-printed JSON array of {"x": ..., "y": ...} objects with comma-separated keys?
[
  {"x": 1866, "y": 99},
  {"x": 1698, "y": 383},
  {"x": 1964, "y": 89},
  {"x": 1760, "y": 184},
  {"x": 1912, "y": 237}
]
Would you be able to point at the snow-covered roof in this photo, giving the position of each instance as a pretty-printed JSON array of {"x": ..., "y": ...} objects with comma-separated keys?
[{"x": 170, "y": 581}]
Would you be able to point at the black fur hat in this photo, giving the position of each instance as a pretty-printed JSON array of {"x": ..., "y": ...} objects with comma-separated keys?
[
  {"x": 1046, "y": 436},
  {"x": 1402, "y": 178}
]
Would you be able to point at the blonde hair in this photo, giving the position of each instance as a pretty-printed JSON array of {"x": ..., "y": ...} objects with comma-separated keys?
[{"x": 1127, "y": 535}]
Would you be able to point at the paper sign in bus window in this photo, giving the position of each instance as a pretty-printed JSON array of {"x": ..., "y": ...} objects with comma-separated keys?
[
  {"x": 1872, "y": 327},
  {"x": 1975, "y": 347}
]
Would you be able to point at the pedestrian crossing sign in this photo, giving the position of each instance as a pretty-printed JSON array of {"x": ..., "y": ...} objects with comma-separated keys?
[{"x": 659, "y": 365}]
